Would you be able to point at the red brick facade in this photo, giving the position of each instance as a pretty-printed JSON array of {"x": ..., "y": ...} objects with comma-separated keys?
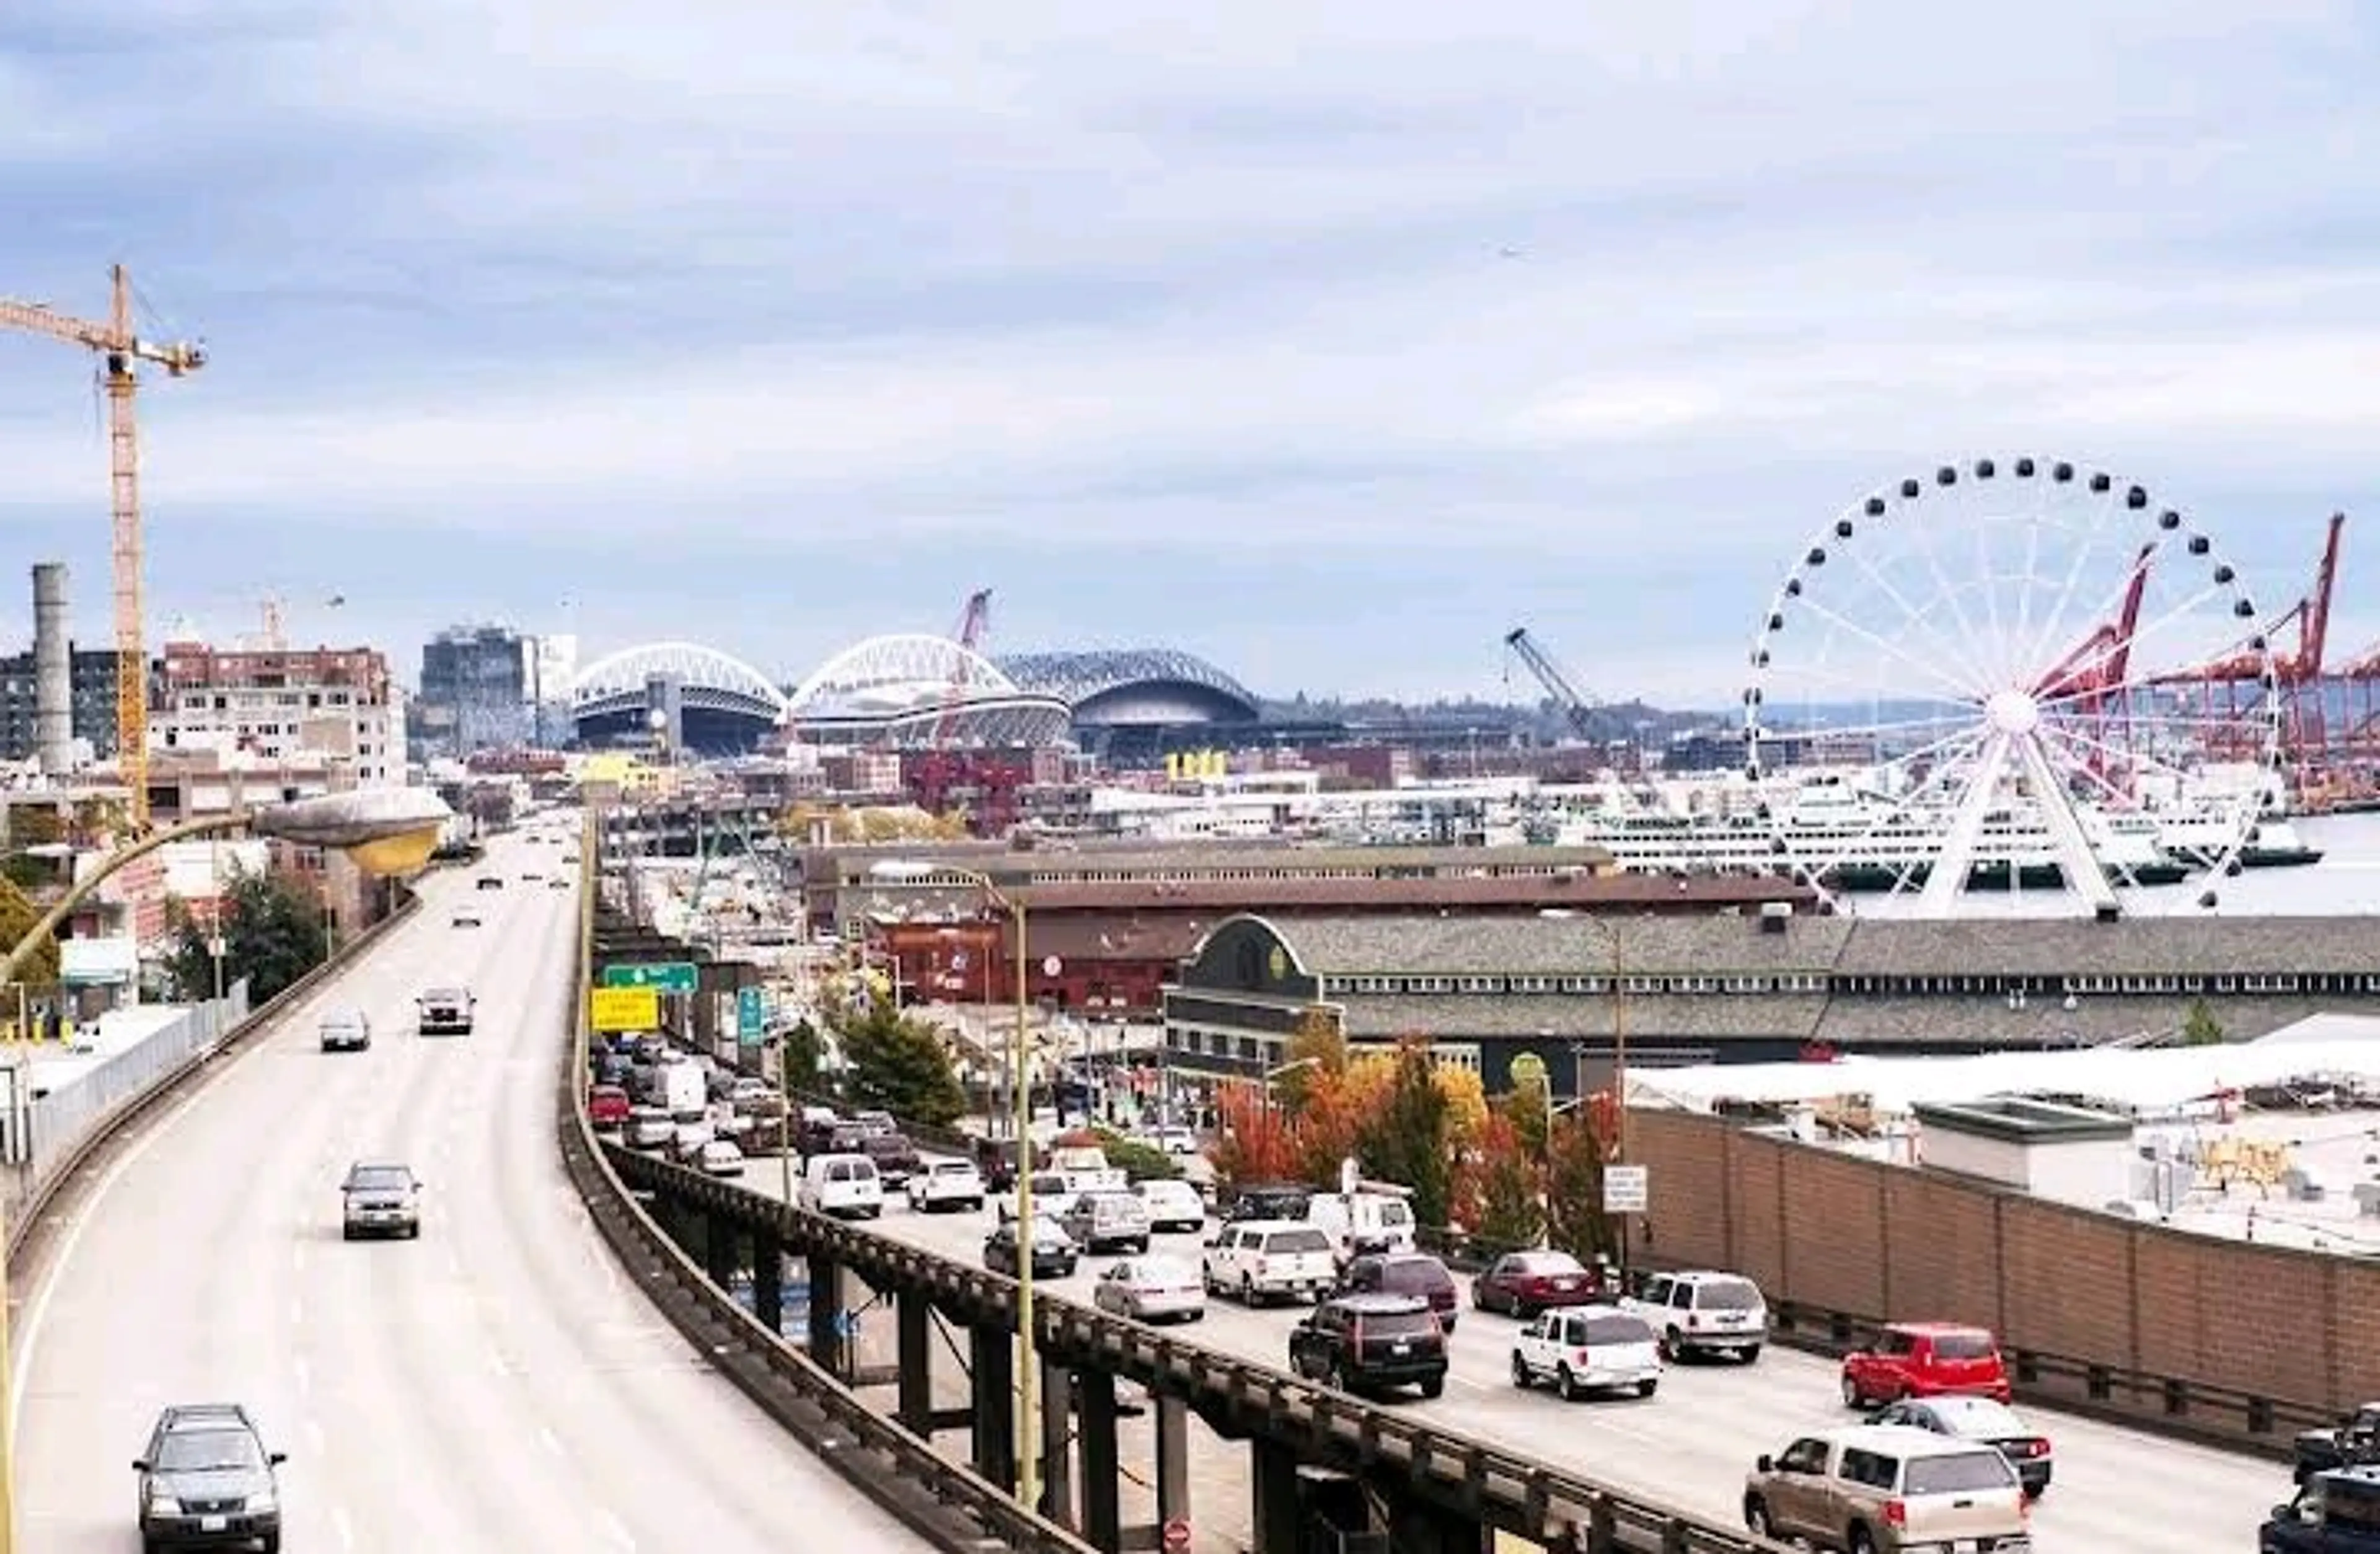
[{"x": 1820, "y": 1229}]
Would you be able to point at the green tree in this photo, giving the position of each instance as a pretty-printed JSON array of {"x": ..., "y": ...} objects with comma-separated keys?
[
  {"x": 1531, "y": 1117},
  {"x": 1406, "y": 1140},
  {"x": 895, "y": 1064},
  {"x": 273, "y": 935},
  {"x": 1138, "y": 1161},
  {"x": 2199, "y": 1025},
  {"x": 17, "y": 915},
  {"x": 1511, "y": 1185},
  {"x": 1319, "y": 1038},
  {"x": 804, "y": 1054}
]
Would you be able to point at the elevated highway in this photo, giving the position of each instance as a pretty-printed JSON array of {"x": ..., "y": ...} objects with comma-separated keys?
[
  {"x": 1692, "y": 1443},
  {"x": 495, "y": 1386}
]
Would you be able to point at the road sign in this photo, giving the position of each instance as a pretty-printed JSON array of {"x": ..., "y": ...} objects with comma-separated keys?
[
  {"x": 624, "y": 1009},
  {"x": 751, "y": 1015},
  {"x": 662, "y": 976},
  {"x": 1627, "y": 1189},
  {"x": 1176, "y": 1538}
]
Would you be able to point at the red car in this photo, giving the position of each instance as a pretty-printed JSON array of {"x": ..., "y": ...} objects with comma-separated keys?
[
  {"x": 1925, "y": 1360},
  {"x": 1527, "y": 1282},
  {"x": 607, "y": 1106}
]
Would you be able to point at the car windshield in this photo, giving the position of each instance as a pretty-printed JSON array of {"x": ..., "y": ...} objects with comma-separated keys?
[
  {"x": 1618, "y": 1330},
  {"x": 443, "y": 995},
  {"x": 1963, "y": 1346},
  {"x": 1957, "y": 1473},
  {"x": 379, "y": 1179},
  {"x": 208, "y": 1451},
  {"x": 1728, "y": 1294}
]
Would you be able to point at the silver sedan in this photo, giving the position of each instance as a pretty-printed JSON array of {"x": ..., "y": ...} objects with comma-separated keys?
[{"x": 1152, "y": 1289}]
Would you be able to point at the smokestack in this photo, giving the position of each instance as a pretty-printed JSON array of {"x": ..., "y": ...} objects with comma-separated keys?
[{"x": 53, "y": 672}]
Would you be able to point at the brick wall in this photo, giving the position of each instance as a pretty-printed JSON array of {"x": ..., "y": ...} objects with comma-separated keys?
[{"x": 1822, "y": 1230}]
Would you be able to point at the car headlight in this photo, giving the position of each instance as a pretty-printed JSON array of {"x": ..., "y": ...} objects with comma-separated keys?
[
  {"x": 266, "y": 1502},
  {"x": 164, "y": 1505}
]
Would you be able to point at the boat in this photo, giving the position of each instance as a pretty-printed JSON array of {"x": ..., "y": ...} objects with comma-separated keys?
[{"x": 2203, "y": 834}]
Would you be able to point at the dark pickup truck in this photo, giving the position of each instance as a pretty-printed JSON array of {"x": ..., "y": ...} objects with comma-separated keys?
[
  {"x": 2338, "y": 1512},
  {"x": 2354, "y": 1442}
]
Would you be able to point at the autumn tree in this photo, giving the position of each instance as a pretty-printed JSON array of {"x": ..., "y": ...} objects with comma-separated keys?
[
  {"x": 1511, "y": 1210},
  {"x": 1408, "y": 1139},
  {"x": 1467, "y": 1108},
  {"x": 1321, "y": 1047},
  {"x": 1255, "y": 1144},
  {"x": 1574, "y": 1155},
  {"x": 17, "y": 915}
]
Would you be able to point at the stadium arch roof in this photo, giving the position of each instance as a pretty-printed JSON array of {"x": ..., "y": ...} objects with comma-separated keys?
[
  {"x": 710, "y": 679},
  {"x": 1135, "y": 684},
  {"x": 892, "y": 689}
]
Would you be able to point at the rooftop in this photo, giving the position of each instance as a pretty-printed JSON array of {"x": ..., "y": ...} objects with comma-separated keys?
[{"x": 2017, "y": 1120}]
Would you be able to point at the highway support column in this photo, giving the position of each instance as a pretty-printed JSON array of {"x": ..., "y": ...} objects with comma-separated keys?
[
  {"x": 1095, "y": 1430},
  {"x": 991, "y": 1355},
  {"x": 769, "y": 1280},
  {"x": 721, "y": 1236},
  {"x": 826, "y": 1306},
  {"x": 1173, "y": 1423},
  {"x": 913, "y": 1357},
  {"x": 1053, "y": 1437},
  {"x": 1424, "y": 1527},
  {"x": 1277, "y": 1512}
]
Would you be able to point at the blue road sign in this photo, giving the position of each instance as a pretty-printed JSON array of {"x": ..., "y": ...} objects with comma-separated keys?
[{"x": 751, "y": 1015}]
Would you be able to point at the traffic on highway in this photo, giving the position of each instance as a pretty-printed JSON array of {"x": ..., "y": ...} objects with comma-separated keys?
[
  {"x": 341, "y": 1297},
  {"x": 1723, "y": 1425}
]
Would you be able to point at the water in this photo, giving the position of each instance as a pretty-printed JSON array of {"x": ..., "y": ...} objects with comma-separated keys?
[{"x": 2346, "y": 883}]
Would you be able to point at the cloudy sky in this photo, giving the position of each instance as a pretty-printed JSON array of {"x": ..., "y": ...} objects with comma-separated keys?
[{"x": 1327, "y": 340}]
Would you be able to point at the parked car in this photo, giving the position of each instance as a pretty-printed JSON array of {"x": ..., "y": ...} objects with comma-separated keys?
[
  {"x": 1699, "y": 1312},
  {"x": 347, "y": 1030},
  {"x": 1886, "y": 1489},
  {"x": 1405, "y": 1273},
  {"x": 1924, "y": 1360},
  {"x": 380, "y": 1199},
  {"x": 1100, "y": 1222},
  {"x": 1054, "y": 1252},
  {"x": 1152, "y": 1289},
  {"x": 1172, "y": 1205},
  {"x": 1980, "y": 1419},
  {"x": 1367, "y": 1343},
  {"x": 1527, "y": 1282},
  {"x": 1583, "y": 1349},
  {"x": 946, "y": 1183},
  {"x": 205, "y": 1480},
  {"x": 1260, "y": 1259}
]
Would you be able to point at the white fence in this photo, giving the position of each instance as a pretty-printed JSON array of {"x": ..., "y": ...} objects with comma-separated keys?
[{"x": 39, "y": 1129}]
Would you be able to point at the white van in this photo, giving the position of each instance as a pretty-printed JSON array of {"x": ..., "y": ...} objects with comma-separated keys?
[
  {"x": 843, "y": 1186},
  {"x": 1361, "y": 1222}
]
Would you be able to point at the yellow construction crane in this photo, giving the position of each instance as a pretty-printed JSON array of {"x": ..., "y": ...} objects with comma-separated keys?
[{"x": 120, "y": 350}]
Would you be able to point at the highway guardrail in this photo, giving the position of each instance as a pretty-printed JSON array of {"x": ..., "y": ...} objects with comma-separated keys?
[
  {"x": 941, "y": 1500},
  {"x": 27, "y": 1215},
  {"x": 1525, "y": 1495}
]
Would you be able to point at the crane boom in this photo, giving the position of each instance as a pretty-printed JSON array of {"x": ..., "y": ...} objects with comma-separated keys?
[
  {"x": 120, "y": 350},
  {"x": 1574, "y": 707}
]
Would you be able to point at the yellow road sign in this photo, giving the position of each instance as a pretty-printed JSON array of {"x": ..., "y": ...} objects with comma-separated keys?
[{"x": 624, "y": 1009}]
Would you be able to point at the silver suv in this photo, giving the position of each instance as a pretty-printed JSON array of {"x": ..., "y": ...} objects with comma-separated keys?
[
  {"x": 382, "y": 1198},
  {"x": 1107, "y": 1221},
  {"x": 1889, "y": 1490}
]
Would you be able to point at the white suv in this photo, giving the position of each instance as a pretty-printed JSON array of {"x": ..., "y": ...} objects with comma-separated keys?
[
  {"x": 1889, "y": 1490},
  {"x": 946, "y": 1184},
  {"x": 1260, "y": 1258},
  {"x": 1703, "y": 1313}
]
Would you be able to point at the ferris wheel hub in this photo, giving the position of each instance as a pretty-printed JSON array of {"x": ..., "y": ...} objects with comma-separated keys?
[{"x": 2014, "y": 713}]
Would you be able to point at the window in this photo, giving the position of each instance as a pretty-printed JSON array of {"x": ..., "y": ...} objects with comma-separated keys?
[{"x": 1956, "y": 1473}]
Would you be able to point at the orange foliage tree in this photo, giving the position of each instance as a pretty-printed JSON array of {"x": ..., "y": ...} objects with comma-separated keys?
[{"x": 1257, "y": 1143}]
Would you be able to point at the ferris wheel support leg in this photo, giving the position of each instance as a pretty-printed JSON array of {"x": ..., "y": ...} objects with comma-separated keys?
[
  {"x": 2077, "y": 859},
  {"x": 1947, "y": 881}
]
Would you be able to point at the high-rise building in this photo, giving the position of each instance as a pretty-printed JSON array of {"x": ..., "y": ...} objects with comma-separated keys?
[
  {"x": 476, "y": 692},
  {"x": 553, "y": 665},
  {"x": 320, "y": 705}
]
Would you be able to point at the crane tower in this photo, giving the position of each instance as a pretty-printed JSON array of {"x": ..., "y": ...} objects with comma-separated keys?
[{"x": 120, "y": 350}]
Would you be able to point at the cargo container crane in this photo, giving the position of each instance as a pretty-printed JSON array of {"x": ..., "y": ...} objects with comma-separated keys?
[
  {"x": 1588, "y": 719},
  {"x": 120, "y": 351},
  {"x": 2298, "y": 678}
]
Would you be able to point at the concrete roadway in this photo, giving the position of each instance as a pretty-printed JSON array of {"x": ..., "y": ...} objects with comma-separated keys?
[
  {"x": 1692, "y": 1443},
  {"x": 496, "y": 1385}
]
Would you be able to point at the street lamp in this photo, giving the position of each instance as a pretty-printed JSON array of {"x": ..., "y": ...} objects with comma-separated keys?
[
  {"x": 386, "y": 831},
  {"x": 1618, "y": 1153},
  {"x": 1029, "y": 1382}
]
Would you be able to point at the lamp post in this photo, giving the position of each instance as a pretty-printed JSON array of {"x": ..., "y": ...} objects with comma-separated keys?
[
  {"x": 1028, "y": 1379},
  {"x": 1617, "y": 1152},
  {"x": 387, "y": 831}
]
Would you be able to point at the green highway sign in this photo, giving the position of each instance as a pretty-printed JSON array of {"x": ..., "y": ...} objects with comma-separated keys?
[
  {"x": 662, "y": 976},
  {"x": 751, "y": 1016}
]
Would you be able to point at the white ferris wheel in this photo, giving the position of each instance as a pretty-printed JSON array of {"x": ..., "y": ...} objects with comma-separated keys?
[{"x": 1994, "y": 682}]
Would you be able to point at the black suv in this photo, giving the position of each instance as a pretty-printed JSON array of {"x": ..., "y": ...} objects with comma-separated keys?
[
  {"x": 1370, "y": 1342},
  {"x": 207, "y": 1482}
]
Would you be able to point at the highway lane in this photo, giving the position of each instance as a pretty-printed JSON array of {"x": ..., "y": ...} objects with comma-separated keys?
[
  {"x": 1692, "y": 1443},
  {"x": 496, "y": 1385}
]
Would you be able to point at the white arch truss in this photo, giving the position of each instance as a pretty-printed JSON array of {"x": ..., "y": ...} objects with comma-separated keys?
[
  {"x": 691, "y": 663},
  {"x": 917, "y": 669}
]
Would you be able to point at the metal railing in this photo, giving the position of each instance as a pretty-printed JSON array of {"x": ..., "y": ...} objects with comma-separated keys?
[{"x": 61, "y": 1118}]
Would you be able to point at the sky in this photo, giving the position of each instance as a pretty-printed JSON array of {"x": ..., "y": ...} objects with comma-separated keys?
[{"x": 1328, "y": 341}]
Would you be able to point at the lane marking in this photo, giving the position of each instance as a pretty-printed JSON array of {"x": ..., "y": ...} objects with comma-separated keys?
[
  {"x": 615, "y": 1529},
  {"x": 343, "y": 1524},
  {"x": 551, "y": 1441}
]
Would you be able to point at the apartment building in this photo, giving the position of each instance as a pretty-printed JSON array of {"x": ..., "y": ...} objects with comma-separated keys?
[{"x": 333, "y": 706}]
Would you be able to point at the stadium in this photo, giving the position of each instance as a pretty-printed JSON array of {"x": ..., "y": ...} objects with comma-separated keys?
[{"x": 896, "y": 692}]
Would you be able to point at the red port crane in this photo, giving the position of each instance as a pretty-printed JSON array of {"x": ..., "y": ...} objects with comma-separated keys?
[
  {"x": 2298, "y": 676},
  {"x": 2089, "y": 683},
  {"x": 942, "y": 771}
]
